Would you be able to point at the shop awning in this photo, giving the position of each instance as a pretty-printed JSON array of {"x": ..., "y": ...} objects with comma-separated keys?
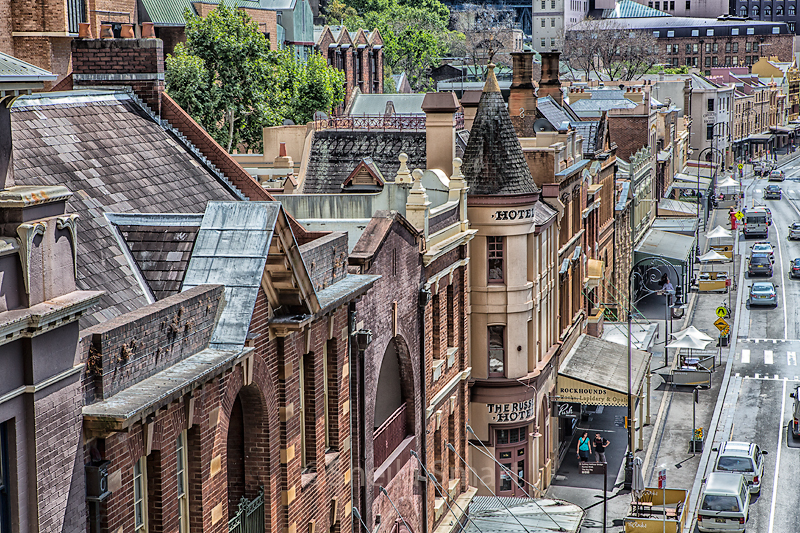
[
  {"x": 673, "y": 247},
  {"x": 760, "y": 137},
  {"x": 689, "y": 181},
  {"x": 594, "y": 273},
  {"x": 781, "y": 129},
  {"x": 684, "y": 226},
  {"x": 676, "y": 208},
  {"x": 595, "y": 372}
]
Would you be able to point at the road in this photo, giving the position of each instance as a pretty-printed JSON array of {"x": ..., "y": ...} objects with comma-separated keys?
[{"x": 765, "y": 367}]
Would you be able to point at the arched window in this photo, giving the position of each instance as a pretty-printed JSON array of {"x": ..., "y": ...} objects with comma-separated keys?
[
  {"x": 792, "y": 10},
  {"x": 756, "y": 12},
  {"x": 767, "y": 11},
  {"x": 743, "y": 11},
  {"x": 778, "y": 11}
]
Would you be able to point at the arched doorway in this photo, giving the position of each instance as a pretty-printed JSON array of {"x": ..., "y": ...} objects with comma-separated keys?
[
  {"x": 247, "y": 450},
  {"x": 394, "y": 415}
]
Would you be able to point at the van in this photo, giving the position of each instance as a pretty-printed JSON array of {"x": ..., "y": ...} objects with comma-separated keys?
[
  {"x": 795, "y": 423},
  {"x": 756, "y": 222},
  {"x": 724, "y": 503}
]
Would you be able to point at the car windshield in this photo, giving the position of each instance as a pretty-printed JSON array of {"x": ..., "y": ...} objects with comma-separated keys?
[
  {"x": 762, "y": 247},
  {"x": 759, "y": 260},
  {"x": 720, "y": 503},
  {"x": 734, "y": 464},
  {"x": 796, "y": 225},
  {"x": 796, "y": 262}
]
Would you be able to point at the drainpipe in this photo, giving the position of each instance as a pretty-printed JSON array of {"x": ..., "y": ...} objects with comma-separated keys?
[
  {"x": 357, "y": 457},
  {"x": 424, "y": 298}
]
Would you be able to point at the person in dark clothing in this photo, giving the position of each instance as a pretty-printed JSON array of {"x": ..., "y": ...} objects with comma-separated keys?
[{"x": 600, "y": 445}]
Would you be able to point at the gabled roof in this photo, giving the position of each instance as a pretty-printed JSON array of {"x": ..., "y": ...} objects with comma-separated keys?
[
  {"x": 493, "y": 161},
  {"x": 170, "y": 12},
  {"x": 375, "y": 234},
  {"x": 249, "y": 246},
  {"x": 13, "y": 70},
  {"x": 115, "y": 159},
  {"x": 364, "y": 171}
]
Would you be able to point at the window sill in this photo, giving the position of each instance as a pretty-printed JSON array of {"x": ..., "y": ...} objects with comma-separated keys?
[
  {"x": 330, "y": 458},
  {"x": 307, "y": 479},
  {"x": 437, "y": 369}
]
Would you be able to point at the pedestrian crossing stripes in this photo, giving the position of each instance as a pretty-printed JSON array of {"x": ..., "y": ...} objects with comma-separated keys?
[
  {"x": 767, "y": 357},
  {"x": 774, "y": 377}
]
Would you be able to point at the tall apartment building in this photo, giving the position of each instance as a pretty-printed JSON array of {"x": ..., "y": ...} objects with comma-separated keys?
[{"x": 767, "y": 11}]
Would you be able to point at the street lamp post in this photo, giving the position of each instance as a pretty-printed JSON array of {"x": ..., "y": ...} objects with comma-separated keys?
[
  {"x": 699, "y": 159},
  {"x": 654, "y": 261}
]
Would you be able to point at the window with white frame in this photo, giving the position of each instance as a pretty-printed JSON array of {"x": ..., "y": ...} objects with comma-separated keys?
[
  {"x": 182, "y": 476},
  {"x": 735, "y": 31},
  {"x": 670, "y": 33},
  {"x": 776, "y": 29},
  {"x": 695, "y": 33},
  {"x": 140, "y": 495},
  {"x": 710, "y": 33},
  {"x": 751, "y": 31}
]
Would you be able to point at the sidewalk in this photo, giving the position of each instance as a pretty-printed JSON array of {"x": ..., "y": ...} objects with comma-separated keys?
[{"x": 667, "y": 438}]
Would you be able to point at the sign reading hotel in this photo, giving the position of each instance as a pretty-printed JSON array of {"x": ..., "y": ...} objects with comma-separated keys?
[
  {"x": 511, "y": 412},
  {"x": 572, "y": 390},
  {"x": 514, "y": 214}
]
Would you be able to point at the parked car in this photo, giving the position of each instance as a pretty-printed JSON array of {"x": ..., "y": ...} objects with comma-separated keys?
[
  {"x": 763, "y": 293},
  {"x": 759, "y": 264},
  {"x": 764, "y": 247},
  {"x": 776, "y": 175},
  {"x": 794, "y": 231},
  {"x": 724, "y": 503},
  {"x": 745, "y": 458},
  {"x": 772, "y": 192},
  {"x": 794, "y": 268}
]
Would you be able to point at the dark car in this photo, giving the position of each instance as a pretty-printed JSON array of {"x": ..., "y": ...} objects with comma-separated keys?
[
  {"x": 794, "y": 268},
  {"x": 759, "y": 264},
  {"x": 772, "y": 192}
]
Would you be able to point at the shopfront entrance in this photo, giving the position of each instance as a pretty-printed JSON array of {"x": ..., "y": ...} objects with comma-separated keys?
[{"x": 511, "y": 452}]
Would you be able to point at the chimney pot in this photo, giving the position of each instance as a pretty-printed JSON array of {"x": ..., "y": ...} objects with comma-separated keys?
[
  {"x": 127, "y": 31},
  {"x": 106, "y": 32},
  {"x": 148, "y": 30},
  {"x": 84, "y": 30},
  {"x": 282, "y": 150}
]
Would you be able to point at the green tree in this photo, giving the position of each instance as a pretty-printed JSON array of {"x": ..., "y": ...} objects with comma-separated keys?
[{"x": 228, "y": 79}]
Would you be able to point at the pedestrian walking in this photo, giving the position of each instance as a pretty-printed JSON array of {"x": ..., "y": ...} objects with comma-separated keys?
[
  {"x": 584, "y": 447},
  {"x": 600, "y": 445}
]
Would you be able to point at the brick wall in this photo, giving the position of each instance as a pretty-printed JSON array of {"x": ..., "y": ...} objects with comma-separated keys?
[
  {"x": 780, "y": 45},
  {"x": 630, "y": 134},
  {"x": 138, "y": 63},
  {"x": 136, "y": 345}
]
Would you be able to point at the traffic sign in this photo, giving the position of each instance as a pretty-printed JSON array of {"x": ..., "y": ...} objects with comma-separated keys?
[
  {"x": 722, "y": 311},
  {"x": 739, "y": 215},
  {"x": 740, "y": 166},
  {"x": 662, "y": 477},
  {"x": 721, "y": 324},
  {"x": 591, "y": 468}
]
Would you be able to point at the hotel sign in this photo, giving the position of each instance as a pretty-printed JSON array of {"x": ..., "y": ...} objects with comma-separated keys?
[
  {"x": 514, "y": 214},
  {"x": 572, "y": 390},
  {"x": 511, "y": 412}
]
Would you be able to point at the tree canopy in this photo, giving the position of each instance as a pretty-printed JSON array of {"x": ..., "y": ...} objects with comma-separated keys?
[{"x": 227, "y": 78}]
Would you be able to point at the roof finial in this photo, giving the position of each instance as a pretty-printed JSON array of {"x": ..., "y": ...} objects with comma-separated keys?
[{"x": 491, "y": 85}]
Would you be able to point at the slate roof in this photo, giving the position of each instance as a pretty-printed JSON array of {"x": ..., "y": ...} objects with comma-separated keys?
[
  {"x": 605, "y": 100},
  {"x": 588, "y": 130},
  {"x": 555, "y": 113},
  {"x": 335, "y": 153},
  {"x": 493, "y": 161},
  {"x": 114, "y": 159}
]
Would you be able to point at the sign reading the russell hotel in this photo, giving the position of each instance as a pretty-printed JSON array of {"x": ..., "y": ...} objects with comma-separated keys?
[
  {"x": 572, "y": 390},
  {"x": 514, "y": 214},
  {"x": 511, "y": 412}
]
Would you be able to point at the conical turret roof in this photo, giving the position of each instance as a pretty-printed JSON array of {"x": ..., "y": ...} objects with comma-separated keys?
[{"x": 493, "y": 161}]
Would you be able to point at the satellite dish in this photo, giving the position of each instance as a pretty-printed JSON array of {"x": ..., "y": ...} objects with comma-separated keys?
[
  {"x": 288, "y": 122},
  {"x": 319, "y": 115},
  {"x": 542, "y": 124}
]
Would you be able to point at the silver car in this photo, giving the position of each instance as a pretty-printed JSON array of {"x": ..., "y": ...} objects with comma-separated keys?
[
  {"x": 794, "y": 231},
  {"x": 743, "y": 458},
  {"x": 763, "y": 293}
]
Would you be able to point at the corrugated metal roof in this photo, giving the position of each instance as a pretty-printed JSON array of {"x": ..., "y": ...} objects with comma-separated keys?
[
  {"x": 493, "y": 514},
  {"x": 13, "y": 70},
  {"x": 628, "y": 9},
  {"x": 170, "y": 12}
]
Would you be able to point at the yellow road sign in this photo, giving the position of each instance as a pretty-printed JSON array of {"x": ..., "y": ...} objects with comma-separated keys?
[
  {"x": 722, "y": 311},
  {"x": 739, "y": 215},
  {"x": 740, "y": 166},
  {"x": 721, "y": 324}
]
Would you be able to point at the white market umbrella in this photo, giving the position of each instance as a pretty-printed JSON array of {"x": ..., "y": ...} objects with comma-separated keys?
[
  {"x": 728, "y": 182},
  {"x": 693, "y": 332},
  {"x": 712, "y": 255},
  {"x": 718, "y": 233},
  {"x": 637, "y": 481},
  {"x": 690, "y": 343}
]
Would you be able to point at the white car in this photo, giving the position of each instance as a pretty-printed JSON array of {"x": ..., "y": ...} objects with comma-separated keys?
[
  {"x": 743, "y": 458},
  {"x": 724, "y": 504},
  {"x": 794, "y": 231},
  {"x": 763, "y": 248}
]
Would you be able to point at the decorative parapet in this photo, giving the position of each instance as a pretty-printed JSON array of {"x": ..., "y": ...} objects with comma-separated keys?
[
  {"x": 70, "y": 223},
  {"x": 27, "y": 232}
]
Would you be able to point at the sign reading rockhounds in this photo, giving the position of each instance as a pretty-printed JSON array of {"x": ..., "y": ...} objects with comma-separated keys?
[{"x": 572, "y": 390}]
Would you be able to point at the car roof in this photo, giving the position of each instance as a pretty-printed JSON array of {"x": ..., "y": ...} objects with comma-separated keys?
[
  {"x": 723, "y": 482},
  {"x": 759, "y": 255},
  {"x": 796, "y": 260},
  {"x": 736, "y": 448}
]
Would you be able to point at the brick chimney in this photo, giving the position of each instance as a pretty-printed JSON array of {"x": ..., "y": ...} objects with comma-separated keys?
[
  {"x": 550, "y": 84},
  {"x": 440, "y": 130},
  {"x": 522, "y": 98},
  {"x": 469, "y": 101},
  {"x": 135, "y": 63}
]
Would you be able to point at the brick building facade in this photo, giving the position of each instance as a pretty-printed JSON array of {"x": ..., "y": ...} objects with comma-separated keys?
[{"x": 358, "y": 54}]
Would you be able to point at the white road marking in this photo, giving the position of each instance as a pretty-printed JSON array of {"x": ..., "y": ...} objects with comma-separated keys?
[
  {"x": 768, "y": 357},
  {"x": 757, "y": 191},
  {"x": 783, "y": 287},
  {"x": 775, "y": 376},
  {"x": 755, "y": 376},
  {"x": 745, "y": 356},
  {"x": 737, "y": 374},
  {"x": 791, "y": 358},
  {"x": 777, "y": 461}
]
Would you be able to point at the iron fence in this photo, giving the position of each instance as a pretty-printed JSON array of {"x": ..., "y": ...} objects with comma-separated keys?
[
  {"x": 249, "y": 517},
  {"x": 396, "y": 122}
]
